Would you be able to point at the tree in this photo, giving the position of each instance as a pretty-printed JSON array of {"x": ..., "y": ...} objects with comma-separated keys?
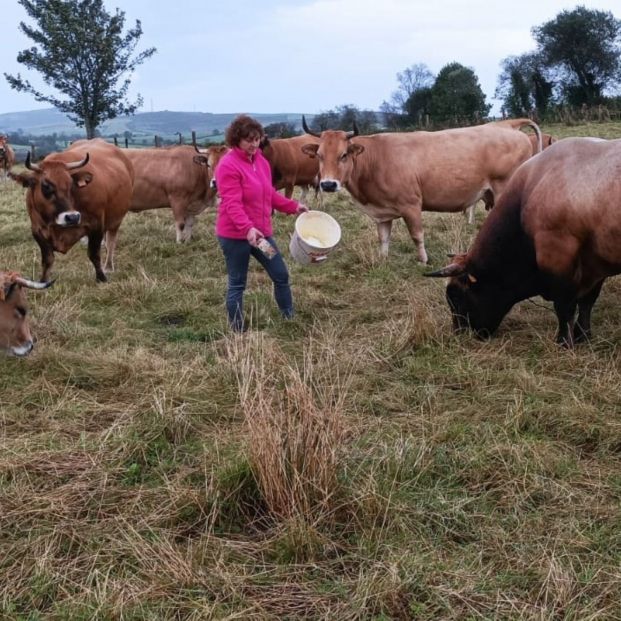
[
  {"x": 523, "y": 86},
  {"x": 81, "y": 51},
  {"x": 280, "y": 130},
  {"x": 582, "y": 48},
  {"x": 456, "y": 96},
  {"x": 343, "y": 117},
  {"x": 418, "y": 105},
  {"x": 416, "y": 77}
]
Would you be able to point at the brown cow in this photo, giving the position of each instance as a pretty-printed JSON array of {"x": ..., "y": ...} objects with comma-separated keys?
[
  {"x": 7, "y": 156},
  {"x": 554, "y": 233},
  {"x": 290, "y": 167},
  {"x": 402, "y": 174},
  {"x": 84, "y": 190},
  {"x": 170, "y": 178},
  {"x": 15, "y": 337}
]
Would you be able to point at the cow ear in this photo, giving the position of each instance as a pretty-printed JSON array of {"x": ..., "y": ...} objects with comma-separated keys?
[
  {"x": 355, "y": 149},
  {"x": 81, "y": 178},
  {"x": 27, "y": 180},
  {"x": 310, "y": 149},
  {"x": 265, "y": 142},
  {"x": 201, "y": 160}
]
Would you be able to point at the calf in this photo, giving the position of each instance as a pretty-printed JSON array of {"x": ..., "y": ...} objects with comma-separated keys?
[{"x": 7, "y": 156}]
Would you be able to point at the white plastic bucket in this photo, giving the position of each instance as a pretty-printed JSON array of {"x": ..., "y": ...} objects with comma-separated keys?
[{"x": 315, "y": 235}]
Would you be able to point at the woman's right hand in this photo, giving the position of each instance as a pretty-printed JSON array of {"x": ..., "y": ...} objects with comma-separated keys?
[{"x": 254, "y": 236}]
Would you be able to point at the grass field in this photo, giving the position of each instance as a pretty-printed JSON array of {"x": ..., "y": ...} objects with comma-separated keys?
[{"x": 357, "y": 462}]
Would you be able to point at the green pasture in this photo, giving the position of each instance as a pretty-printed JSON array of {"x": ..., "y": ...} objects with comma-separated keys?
[{"x": 357, "y": 462}]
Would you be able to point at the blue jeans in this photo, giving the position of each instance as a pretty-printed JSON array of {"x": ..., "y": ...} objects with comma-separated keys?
[{"x": 237, "y": 256}]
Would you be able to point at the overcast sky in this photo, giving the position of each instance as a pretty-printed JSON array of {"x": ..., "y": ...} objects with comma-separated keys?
[{"x": 302, "y": 55}]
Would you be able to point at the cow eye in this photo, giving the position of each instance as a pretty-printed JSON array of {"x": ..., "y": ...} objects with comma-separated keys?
[
  {"x": 47, "y": 189},
  {"x": 21, "y": 311},
  {"x": 343, "y": 157}
]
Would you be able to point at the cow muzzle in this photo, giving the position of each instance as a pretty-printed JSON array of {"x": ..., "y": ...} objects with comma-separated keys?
[
  {"x": 68, "y": 218},
  {"x": 329, "y": 185},
  {"x": 21, "y": 351}
]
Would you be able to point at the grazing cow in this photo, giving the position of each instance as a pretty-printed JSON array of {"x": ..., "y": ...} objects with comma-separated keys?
[
  {"x": 15, "y": 337},
  {"x": 84, "y": 190},
  {"x": 7, "y": 157},
  {"x": 554, "y": 232},
  {"x": 170, "y": 178},
  {"x": 399, "y": 175},
  {"x": 291, "y": 167}
]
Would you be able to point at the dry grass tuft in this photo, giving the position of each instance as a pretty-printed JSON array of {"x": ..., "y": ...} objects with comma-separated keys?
[{"x": 295, "y": 425}]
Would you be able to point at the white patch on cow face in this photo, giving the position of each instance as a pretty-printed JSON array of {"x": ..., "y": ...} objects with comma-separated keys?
[
  {"x": 68, "y": 218},
  {"x": 22, "y": 350},
  {"x": 329, "y": 185}
]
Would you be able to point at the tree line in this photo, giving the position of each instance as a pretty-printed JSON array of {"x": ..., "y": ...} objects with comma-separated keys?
[{"x": 83, "y": 52}]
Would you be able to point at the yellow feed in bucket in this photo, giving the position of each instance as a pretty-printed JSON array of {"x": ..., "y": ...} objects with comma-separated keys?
[{"x": 316, "y": 234}]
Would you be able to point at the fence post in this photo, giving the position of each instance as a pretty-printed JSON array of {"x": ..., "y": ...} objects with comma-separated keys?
[
  {"x": 32, "y": 152},
  {"x": 180, "y": 137},
  {"x": 193, "y": 137},
  {"x": 126, "y": 142},
  {"x": 116, "y": 142}
]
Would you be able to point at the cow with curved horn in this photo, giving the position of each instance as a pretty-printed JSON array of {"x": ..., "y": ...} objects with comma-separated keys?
[
  {"x": 553, "y": 233},
  {"x": 84, "y": 190},
  {"x": 15, "y": 336},
  {"x": 400, "y": 175}
]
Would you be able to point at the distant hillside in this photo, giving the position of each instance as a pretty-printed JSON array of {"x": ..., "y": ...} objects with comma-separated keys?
[{"x": 165, "y": 124}]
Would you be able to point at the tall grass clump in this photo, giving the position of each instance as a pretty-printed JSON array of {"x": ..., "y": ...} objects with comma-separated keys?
[{"x": 295, "y": 427}]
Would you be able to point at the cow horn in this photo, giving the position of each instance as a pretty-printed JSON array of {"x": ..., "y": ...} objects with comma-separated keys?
[
  {"x": 201, "y": 151},
  {"x": 74, "y": 165},
  {"x": 33, "y": 284},
  {"x": 353, "y": 133},
  {"x": 29, "y": 165},
  {"x": 307, "y": 129},
  {"x": 454, "y": 269}
]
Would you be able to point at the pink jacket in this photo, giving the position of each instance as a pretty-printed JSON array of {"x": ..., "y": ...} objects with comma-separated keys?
[{"x": 246, "y": 195}]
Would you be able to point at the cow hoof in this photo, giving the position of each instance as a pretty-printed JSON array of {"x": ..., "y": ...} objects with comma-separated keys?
[{"x": 101, "y": 277}]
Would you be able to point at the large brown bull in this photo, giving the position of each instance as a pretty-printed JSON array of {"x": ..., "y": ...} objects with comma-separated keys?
[
  {"x": 84, "y": 190},
  {"x": 15, "y": 336},
  {"x": 171, "y": 178},
  {"x": 555, "y": 233},
  {"x": 400, "y": 175}
]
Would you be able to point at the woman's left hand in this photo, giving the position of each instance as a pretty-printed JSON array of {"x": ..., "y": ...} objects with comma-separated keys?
[{"x": 301, "y": 209}]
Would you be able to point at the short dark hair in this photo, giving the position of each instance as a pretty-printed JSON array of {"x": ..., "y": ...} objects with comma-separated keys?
[{"x": 242, "y": 127}]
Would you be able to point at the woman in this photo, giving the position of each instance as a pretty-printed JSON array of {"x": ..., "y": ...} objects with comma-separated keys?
[{"x": 244, "y": 220}]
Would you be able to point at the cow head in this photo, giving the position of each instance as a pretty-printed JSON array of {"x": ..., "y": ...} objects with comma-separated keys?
[
  {"x": 476, "y": 302},
  {"x": 15, "y": 336},
  {"x": 336, "y": 154},
  {"x": 210, "y": 158},
  {"x": 52, "y": 185}
]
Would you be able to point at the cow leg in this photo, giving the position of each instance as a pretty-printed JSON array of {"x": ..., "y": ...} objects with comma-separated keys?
[
  {"x": 303, "y": 194},
  {"x": 179, "y": 209},
  {"x": 383, "y": 233},
  {"x": 565, "y": 313},
  {"x": 469, "y": 214},
  {"x": 47, "y": 257},
  {"x": 187, "y": 229},
  {"x": 414, "y": 222},
  {"x": 111, "y": 237},
  {"x": 94, "y": 254},
  {"x": 582, "y": 327}
]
